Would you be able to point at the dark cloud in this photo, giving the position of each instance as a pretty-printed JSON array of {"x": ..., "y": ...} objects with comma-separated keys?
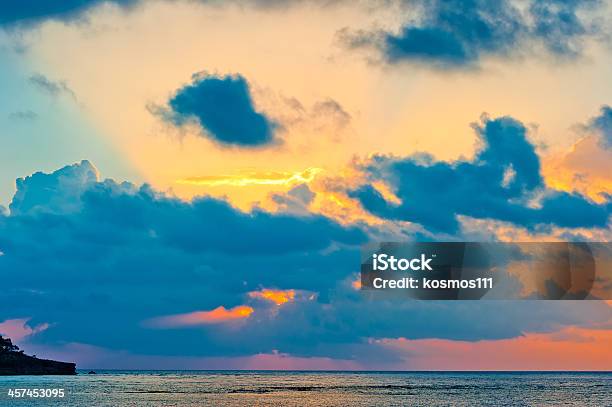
[
  {"x": 73, "y": 191},
  {"x": 502, "y": 182},
  {"x": 53, "y": 88},
  {"x": 457, "y": 33},
  {"x": 27, "y": 12},
  {"x": 78, "y": 244},
  {"x": 602, "y": 126},
  {"x": 84, "y": 255},
  {"x": 223, "y": 109},
  {"x": 558, "y": 25},
  {"x": 34, "y": 11}
]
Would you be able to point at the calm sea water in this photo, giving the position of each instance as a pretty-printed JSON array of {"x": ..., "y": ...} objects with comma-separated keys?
[{"x": 232, "y": 388}]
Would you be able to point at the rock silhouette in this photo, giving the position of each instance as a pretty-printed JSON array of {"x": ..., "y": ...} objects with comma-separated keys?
[{"x": 14, "y": 362}]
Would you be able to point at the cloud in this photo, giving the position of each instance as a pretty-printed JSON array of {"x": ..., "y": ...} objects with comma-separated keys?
[
  {"x": 325, "y": 117},
  {"x": 278, "y": 297},
  {"x": 35, "y": 11},
  {"x": 297, "y": 200},
  {"x": 585, "y": 166},
  {"x": 59, "y": 193},
  {"x": 222, "y": 108},
  {"x": 557, "y": 23},
  {"x": 570, "y": 348},
  {"x": 19, "y": 329},
  {"x": 245, "y": 178},
  {"x": 28, "y": 12},
  {"x": 75, "y": 191},
  {"x": 602, "y": 126},
  {"x": 77, "y": 243},
  {"x": 86, "y": 253},
  {"x": 329, "y": 114},
  {"x": 53, "y": 88},
  {"x": 502, "y": 182},
  {"x": 218, "y": 315},
  {"x": 24, "y": 115},
  {"x": 459, "y": 33},
  {"x": 92, "y": 357}
]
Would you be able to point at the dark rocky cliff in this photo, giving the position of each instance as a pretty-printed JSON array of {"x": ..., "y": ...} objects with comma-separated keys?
[{"x": 15, "y": 362}]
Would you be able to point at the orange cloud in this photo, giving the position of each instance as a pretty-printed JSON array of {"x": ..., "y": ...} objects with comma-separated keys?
[
  {"x": 254, "y": 178},
  {"x": 332, "y": 200},
  {"x": 278, "y": 297},
  {"x": 508, "y": 232},
  {"x": 571, "y": 348},
  {"x": 584, "y": 168},
  {"x": 356, "y": 284},
  {"x": 218, "y": 315}
]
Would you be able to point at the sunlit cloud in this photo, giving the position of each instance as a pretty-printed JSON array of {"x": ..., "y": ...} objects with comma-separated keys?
[
  {"x": 488, "y": 229},
  {"x": 572, "y": 348},
  {"x": 279, "y": 297},
  {"x": 247, "y": 178},
  {"x": 583, "y": 168},
  {"x": 332, "y": 200},
  {"x": 218, "y": 315},
  {"x": 19, "y": 329}
]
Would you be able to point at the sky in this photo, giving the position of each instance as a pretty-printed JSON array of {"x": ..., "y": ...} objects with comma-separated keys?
[{"x": 187, "y": 184}]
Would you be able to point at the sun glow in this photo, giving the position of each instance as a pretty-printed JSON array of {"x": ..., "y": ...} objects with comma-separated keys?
[
  {"x": 247, "y": 178},
  {"x": 216, "y": 316},
  {"x": 279, "y": 297}
]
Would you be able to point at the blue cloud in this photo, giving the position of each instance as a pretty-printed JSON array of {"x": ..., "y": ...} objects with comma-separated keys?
[
  {"x": 456, "y": 33},
  {"x": 602, "y": 126},
  {"x": 498, "y": 184},
  {"x": 86, "y": 255},
  {"x": 53, "y": 88},
  {"x": 223, "y": 108},
  {"x": 35, "y": 11},
  {"x": 32, "y": 11},
  {"x": 24, "y": 115},
  {"x": 558, "y": 25},
  {"x": 78, "y": 244}
]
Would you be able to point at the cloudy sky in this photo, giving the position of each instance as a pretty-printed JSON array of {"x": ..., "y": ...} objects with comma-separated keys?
[{"x": 187, "y": 183}]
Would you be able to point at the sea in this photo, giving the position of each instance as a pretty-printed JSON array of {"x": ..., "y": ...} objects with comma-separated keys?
[{"x": 286, "y": 388}]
